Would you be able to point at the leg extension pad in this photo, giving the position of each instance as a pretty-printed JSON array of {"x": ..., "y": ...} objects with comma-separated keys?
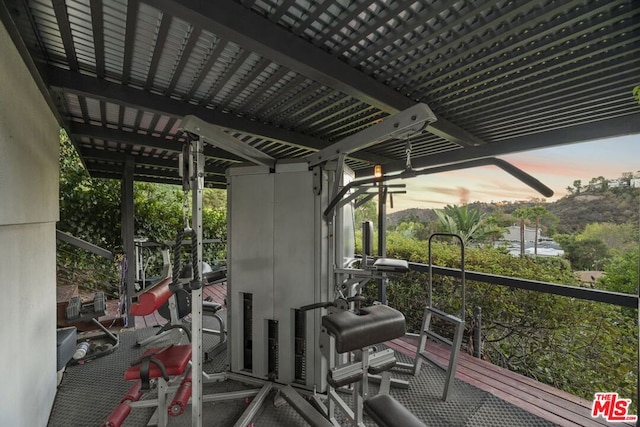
[{"x": 388, "y": 412}]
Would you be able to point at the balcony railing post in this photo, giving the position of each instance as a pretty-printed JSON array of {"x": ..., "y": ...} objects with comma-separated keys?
[{"x": 477, "y": 333}]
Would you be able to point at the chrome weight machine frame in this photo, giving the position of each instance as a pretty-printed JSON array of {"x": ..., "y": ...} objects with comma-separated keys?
[{"x": 311, "y": 194}]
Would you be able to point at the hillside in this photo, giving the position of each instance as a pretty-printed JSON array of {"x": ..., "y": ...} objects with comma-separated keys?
[
  {"x": 618, "y": 206},
  {"x": 574, "y": 212}
]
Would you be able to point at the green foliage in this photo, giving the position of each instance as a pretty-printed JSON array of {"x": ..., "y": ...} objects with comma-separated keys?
[
  {"x": 90, "y": 210},
  {"x": 500, "y": 218},
  {"x": 415, "y": 230},
  {"x": 584, "y": 254},
  {"x": 366, "y": 212},
  {"x": 621, "y": 274},
  {"x": 592, "y": 248},
  {"x": 598, "y": 184},
  {"x": 215, "y": 198},
  {"x": 157, "y": 211},
  {"x": 636, "y": 93},
  {"x": 613, "y": 205},
  {"x": 617, "y": 237}
]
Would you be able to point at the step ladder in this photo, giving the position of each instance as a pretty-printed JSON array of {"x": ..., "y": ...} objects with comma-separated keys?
[{"x": 457, "y": 321}]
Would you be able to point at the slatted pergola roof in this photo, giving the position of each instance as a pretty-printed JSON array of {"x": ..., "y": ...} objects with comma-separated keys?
[{"x": 290, "y": 77}]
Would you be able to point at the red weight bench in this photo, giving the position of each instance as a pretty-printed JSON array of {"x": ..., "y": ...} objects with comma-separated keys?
[
  {"x": 166, "y": 366},
  {"x": 159, "y": 295},
  {"x": 153, "y": 299},
  {"x": 161, "y": 365}
]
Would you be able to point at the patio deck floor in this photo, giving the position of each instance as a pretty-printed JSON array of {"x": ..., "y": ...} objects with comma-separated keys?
[{"x": 483, "y": 394}]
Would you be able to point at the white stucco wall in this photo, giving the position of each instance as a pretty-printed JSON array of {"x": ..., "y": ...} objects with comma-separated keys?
[{"x": 29, "y": 147}]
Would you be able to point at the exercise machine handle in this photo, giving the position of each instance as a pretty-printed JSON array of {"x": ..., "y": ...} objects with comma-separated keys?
[{"x": 325, "y": 304}]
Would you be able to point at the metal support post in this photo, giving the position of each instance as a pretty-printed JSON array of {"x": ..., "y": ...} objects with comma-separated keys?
[
  {"x": 197, "y": 187},
  {"x": 382, "y": 240},
  {"x": 127, "y": 233}
]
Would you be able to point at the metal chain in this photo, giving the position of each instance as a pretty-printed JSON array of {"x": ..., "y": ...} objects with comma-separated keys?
[{"x": 407, "y": 150}]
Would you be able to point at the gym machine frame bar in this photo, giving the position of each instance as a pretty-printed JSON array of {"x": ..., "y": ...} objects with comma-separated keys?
[{"x": 197, "y": 188}]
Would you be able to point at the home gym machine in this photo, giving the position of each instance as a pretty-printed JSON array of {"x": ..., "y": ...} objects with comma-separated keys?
[
  {"x": 283, "y": 252},
  {"x": 290, "y": 249}
]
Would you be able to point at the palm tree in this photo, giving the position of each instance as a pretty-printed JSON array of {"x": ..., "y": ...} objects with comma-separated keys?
[
  {"x": 467, "y": 223},
  {"x": 536, "y": 213},
  {"x": 522, "y": 214},
  {"x": 530, "y": 213}
]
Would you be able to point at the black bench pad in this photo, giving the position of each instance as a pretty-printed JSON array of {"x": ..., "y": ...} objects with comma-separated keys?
[
  {"x": 357, "y": 376},
  {"x": 391, "y": 265},
  {"x": 388, "y": 412},
  {"x": 373, "y": 325}
]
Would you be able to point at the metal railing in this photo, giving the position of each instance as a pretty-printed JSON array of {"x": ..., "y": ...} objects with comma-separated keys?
[{"x": 607, "y": 297}]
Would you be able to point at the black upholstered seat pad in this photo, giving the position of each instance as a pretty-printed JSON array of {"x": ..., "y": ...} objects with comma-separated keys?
[
  {"x": 392, "y": 265},
  {"x": 374, "y": 325}
]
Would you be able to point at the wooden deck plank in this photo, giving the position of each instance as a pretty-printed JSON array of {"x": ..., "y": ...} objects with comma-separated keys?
[
  {"x": 411, "y": 342},
  {"x": 217, "y": 292}
]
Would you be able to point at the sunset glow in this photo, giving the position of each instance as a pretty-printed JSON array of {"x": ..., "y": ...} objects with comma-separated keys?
[{"x": 556, "y": 167}]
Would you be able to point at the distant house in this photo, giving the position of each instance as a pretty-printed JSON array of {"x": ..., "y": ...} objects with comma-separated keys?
[
  {"x": 635, "y": 182},
  {"x": 546, "y": 246},
  {"x": 513, "y": 234},
  {"x": 614, "y": 183},
  {"x": 543, "y": 251}
]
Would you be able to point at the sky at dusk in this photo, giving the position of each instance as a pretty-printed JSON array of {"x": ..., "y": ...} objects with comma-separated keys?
[{"x": 556, "y": 167}]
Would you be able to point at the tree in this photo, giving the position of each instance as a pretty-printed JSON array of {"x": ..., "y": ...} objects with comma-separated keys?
[
  {"x": 584, "y": 254},
  {"x": 597, "y": 184},
  {"x": 522, "y": 214},
  {"x": 214, "y": 198},
  {"x": 90, "y": 210},
  {"x": 537, "y": 212},
  {"x": 619, "y": 238},
  {"x": 412, "y": 229},
  {"x": 500, "y": 217},
  {"x": 626, "y": 177},
  {"x": 577, "y": 184},
  {"x": 462, "y": 221},
  {"x": 492, "y": 229},
  {"x": 604, "y": 184},
  {"x": 621, "y": 274},
  {"x": 89, "y": 207}
]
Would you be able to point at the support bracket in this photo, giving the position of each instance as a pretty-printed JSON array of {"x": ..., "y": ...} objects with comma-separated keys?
[
  {"x": 217, "y": 137},
  {"x": 401, "y": 125}
]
